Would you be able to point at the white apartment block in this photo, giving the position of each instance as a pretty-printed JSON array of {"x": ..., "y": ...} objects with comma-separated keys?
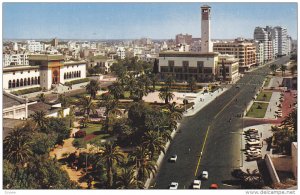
[
  {"x": 282, "y": 40},
  {"x": 289, "y": 44},
  {"x": 261, "y": 35},
  {"x": 121, "y": 52},
  {"x": 259, "y": 52},
  {"x": 34, "y": 46},
  {"x": 15, "y": 59}
]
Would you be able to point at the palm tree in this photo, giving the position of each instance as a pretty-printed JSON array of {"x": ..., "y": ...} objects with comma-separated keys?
[
  {"x": 147, "y": 167},
  {"x": 65, "y": 101},
  {"x": 273, "y": 68},
  {"x": 166, "y": 135},
  {"x": 42, "y": 97},
  {"x": 140, "y": 91},
  {"x": 166, "y": 94},
  {"x": 116, "y": 89},
  {"x": 283, "y": 69},
  {"x": 154, "y": 79},
  {"x": 153, "y": 142},
  {"x": 192, "y": 83},
  {"x": 16, "y": 147},
  {"x": 175, "y": 111},
  {"x": 39, "y": 117},
  {"x": 110, "y": 156},
  {"x": 87, "y": 105},
  {"x": 146, "y": 81},
  {"x": 127, "y": 180},
  {"x": 170, "y": 81},
  {"x": 93, "y": 87},
  {"x": 252, "y": 180}
]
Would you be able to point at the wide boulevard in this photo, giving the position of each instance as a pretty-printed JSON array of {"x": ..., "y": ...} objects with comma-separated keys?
[{"x": 215, "y": 131}]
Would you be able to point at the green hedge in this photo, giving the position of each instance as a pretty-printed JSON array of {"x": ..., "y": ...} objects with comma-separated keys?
[
  {"x": 26, "y": 91},
  {"x": 77, "y": 81}
]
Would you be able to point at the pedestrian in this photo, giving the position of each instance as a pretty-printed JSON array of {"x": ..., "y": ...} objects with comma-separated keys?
[
  {"x": 276, "y": 103},
  {"x": 260, "y": 134}
]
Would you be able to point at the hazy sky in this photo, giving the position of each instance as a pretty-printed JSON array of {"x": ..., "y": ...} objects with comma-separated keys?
[{"x": 136, "y": 20}]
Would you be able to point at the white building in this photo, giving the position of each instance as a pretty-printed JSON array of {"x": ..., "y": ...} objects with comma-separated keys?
[
  {"x": 259, "y": 52},
  {"x": 15, "y": 59},
  {"x": 289, "y": 44},
  {"x": 282, "y": 40},
  {"x": 34, "y": 46},
  {"x": 121, "y": 52},
  {"x": 15, "y": 47},
  {"x": 14, "y": 107},
  {"x": 261, "y": 35},
  {"x": 44, "y": 71}
]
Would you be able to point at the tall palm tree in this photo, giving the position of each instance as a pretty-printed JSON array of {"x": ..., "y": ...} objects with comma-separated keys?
[
  {"x": 175, "y": 111},
  {"x": 87, "y": 105},
  {"x": 93, "y": 87},
  {"x": 153, "y": 142},
  {"x": 110, "y": 156},
  {"x": 154, "y": 79},
  {"x": 16, "y": 147},
  {"x": 170, "y": 81},
  {"x": 42, "y": 97},
  {"x": 65, "y": 101},
  {"x": 192, "y": 83},
  {"x": 145, "y": 79},
  {"x": 127, "y": 180},
  {"x": 116, "y": 89},
  {"x": 39, "y": 117},
  {"x": 283, "y": 69},
  {"x": 166, "y": 94},
  {"x": 166, "y": 135},
  {"x": 147, "y": 167},
  {"x": 273, "y": 68}
]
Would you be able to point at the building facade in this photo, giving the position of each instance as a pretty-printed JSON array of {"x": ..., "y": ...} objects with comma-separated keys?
[
  {"x": 15, "y": 59},
  {"x": 259, "y": 52},
  {"x": 244, "y": 51},
  {"x": 184, "y": 39},
  {"x": 44, "y": 71},
  {"x": 185, "y": 65},
  {"x": 231, "y": 65},
  {"x": 34, "y": 46}
]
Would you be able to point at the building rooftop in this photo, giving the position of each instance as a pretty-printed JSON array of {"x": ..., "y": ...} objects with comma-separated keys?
[
  {"x": 47, "y": 57},
  {"x": 19, "y": 68},
  {"x": 74, "y": 62},
  {"x": 40, "y": 106},
  {"x": 186, "y": 54},
  {"x": 205, "y": 6},
  {"x": 10, "y": 100},
  {"x": 9, "y": 124}
]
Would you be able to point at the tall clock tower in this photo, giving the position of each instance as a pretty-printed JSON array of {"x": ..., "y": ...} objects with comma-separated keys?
[{"x": 206, "y": 44}]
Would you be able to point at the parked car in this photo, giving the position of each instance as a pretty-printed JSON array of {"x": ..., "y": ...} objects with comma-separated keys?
[
  {"x": 196, "y": 184},
  {"x": 204, "y": 175},
  {"x": 214, "y": 186},
  {"x": 173, "y": 186},
  {"x": 173, "y": 158}
]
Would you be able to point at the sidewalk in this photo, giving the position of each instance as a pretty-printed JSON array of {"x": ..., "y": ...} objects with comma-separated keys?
[
  {"x": 206, "y": 99},
  {"x": 272, "y": 107}
]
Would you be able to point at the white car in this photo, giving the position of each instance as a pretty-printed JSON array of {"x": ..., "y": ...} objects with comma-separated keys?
[
  {"x": 204, "y": 175},
  {"x": 174, "y": 186},
  {"x": 173, "y": 158},
  {"x": 196, "y": 184}
]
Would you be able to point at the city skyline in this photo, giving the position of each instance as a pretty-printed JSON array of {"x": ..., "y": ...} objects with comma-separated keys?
[{"x": 108, "y": 20}]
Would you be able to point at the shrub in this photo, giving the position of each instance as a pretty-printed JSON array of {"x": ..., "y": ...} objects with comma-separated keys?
[
  {"x": 77, "y": 81},
  {"x": 80, "y": 134},
  {"x": 26, "y": 91}
]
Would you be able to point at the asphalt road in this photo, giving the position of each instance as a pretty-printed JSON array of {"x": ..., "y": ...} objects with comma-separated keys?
[{"x": 210, "y": 132}]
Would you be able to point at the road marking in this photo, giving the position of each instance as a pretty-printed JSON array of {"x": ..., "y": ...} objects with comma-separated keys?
[
  {"x": 202, "y": 151},
  {"x": 227, "y": 104}
]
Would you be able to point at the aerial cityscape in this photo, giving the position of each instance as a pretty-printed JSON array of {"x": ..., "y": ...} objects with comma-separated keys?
[{"x": 150, "y": 96}]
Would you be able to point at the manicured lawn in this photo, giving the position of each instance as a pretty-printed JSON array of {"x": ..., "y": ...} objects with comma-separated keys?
[
  {"x": 94, "y": 133},
  {"x": 255, "y": 112},
  {"x": 264, "y": 96}
]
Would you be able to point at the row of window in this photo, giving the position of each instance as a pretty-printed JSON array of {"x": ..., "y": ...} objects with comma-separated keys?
[
  {"x": 186, "y": 69},
  {"x": 70, "y": 75},
  {"x": 22, "y": 72},
  {"x": 23, "y": 82}
]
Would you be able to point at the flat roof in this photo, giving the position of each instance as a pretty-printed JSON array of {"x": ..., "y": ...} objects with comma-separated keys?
[
  {"x": 19, "y": 68},
  {"x": 74, "y": 62},
  {"x": 47, "y": 57},
  {"x": 40, "y": 106},
  {"x": 10, "y": 100},
  {"x": 187, "y": 54}
]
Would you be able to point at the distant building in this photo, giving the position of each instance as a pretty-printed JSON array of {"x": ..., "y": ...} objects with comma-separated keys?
[
  {"x": 206, "y": 44},
  {"x": 54, "y": 42},
  {"x": 34, "y": 46},
  {"x": 231, "y": 65},
  {"x": 261, "y": 34},
  {"x": 243, "y": 50},
  {"x": 282, "y": 40},
  {"x": 289, "y": 44},
  {"x": 15, "y": 59},
  {"x": 121, "y": 52},
  {"x": 14, "y": 107},
  {"x": 184, "y": 39},
  {"x": 259, "y": 52}
]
